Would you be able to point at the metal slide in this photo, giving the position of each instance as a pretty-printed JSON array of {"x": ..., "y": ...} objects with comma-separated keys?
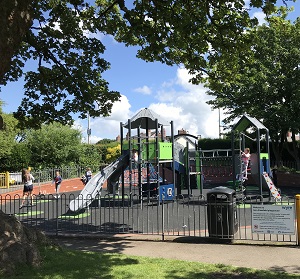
[
  {"x": 274, "y": 191},
  {"x": 94, "y": 186}
]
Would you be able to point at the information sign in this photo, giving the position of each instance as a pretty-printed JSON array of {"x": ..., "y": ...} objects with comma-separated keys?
[{"x": 273, "y": 219}]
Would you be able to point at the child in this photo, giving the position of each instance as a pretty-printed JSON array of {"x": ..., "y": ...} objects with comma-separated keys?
[
  {"x": 245, "y": 162},
  {"x": 57, "y": 180},
  {"x": 28, "y": 187},
  {"x": 87, "y": 176}
]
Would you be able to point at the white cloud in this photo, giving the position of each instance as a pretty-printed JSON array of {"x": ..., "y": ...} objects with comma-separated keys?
[
  {"x": 145, "y": 90},
  {"x": 107, "y": 127},
  {"x": 187, "y": 107},
  {"x": 178, "y": 101}
]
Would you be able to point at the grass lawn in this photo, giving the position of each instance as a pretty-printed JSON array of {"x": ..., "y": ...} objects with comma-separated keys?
[{"x": 64, "y": 264}]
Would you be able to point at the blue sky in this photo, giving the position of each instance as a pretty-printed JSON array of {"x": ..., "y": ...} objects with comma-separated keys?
[{"x": 161, "y": 88}]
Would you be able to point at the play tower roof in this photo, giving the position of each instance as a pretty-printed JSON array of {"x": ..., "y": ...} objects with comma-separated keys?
[
  {"x": 145, "y": 119},
  {"x": 246, "y": 121}
]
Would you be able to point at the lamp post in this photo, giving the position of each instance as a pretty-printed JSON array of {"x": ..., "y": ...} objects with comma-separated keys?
[
  {"x": 89, "y": 131},
  {"x": 219, "y": 123}
]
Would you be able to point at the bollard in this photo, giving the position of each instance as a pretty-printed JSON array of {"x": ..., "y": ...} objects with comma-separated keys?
[{"x": 298, "y": 217}]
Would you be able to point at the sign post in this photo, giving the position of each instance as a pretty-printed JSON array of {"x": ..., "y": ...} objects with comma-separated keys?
[{"x": 297, "y": 198}]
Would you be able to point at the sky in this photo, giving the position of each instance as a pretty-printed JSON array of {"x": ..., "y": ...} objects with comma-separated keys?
[{"x": 164, "y": 89}]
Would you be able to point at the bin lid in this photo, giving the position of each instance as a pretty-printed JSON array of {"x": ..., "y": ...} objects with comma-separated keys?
[{"x": 221, "y": 190}]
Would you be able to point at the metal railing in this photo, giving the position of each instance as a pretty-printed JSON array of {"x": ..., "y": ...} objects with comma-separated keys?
[
  {"x": 113, "y": 214},
  {"x": 46, "y": 175},
  {"x": 4, "y": 180}
]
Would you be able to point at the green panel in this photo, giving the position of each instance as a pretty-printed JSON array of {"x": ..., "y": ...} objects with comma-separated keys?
[
  {"x": 165, "y": 151},
  {"x": 151, "y": 154},
  {"x": 126, "y": 146},
  {"x": 264, "y": 156}
]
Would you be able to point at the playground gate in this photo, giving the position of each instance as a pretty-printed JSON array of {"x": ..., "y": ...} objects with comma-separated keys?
[{"x": 4, "y": 180}]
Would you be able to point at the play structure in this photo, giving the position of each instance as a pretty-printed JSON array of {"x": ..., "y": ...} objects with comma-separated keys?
[
  {"x": 248, "y": 131},
  {"x": 155, "y": 165}
]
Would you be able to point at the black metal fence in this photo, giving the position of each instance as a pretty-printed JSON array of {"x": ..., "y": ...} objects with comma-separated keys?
[{"x": 197, "y": 216}]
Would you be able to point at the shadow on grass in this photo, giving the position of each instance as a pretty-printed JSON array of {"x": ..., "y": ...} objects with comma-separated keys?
[{"x": 61, "y": 263}]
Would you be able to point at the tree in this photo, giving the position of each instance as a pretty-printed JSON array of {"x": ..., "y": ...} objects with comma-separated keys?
[
  {"x": 16, "y": 18},
  {"x": 90, "y": 156},
  {"x": 8, "y": 135},
  {"x": 184, "y": 32},
  {"x": 54, "y": 145},
  {"x": 8, "y": 139},
  {"x": 59, "y": 35},
  {"x": 264, "y": 80}
]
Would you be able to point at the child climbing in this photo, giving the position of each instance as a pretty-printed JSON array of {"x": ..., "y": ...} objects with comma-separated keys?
[{"x": 245, "y": 158}]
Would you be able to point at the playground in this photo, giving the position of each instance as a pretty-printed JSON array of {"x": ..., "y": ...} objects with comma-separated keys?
[
  {"x": 155, "y": 165},
  {"x": 166, "y": 185}
]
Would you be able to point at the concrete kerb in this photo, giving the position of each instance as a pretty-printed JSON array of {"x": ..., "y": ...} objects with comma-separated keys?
[{"x": 167, "y": 238}]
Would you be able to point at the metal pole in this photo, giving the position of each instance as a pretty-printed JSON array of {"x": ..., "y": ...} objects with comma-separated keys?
[
  {"x": 89, "y": 131},
  {"x": 130, "y": 159},
  {"x": 297, "y": 201},
  {"x": 157, "y": 155},
  {"x": 259, "y": 163},
  {"x": 219, "y": 123},
  {"x": 173, "y": 160},
  {"x": 233, "y": 158},
  {"x": 122, "y": 178}
]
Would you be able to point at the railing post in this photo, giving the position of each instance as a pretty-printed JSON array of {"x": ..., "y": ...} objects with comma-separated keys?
[
  {"x": 7, "y": 179},
  {"x": 163, "y": 215},
  {"x": 298, "y": 217},
  {"x": 56, "y": 204}
]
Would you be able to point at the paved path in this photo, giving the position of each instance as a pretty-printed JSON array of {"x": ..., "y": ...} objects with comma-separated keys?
[{"x": 273, "y": 258}]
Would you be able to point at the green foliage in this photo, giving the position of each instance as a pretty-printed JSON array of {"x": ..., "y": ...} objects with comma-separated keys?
[
  {"x": 263, "y": 79},
  {"x": 267, "y": 72},
  {"x": 90, "y": 156},
  {"x": 19, "y": 158},
  {"x": 113, "y": 153},
  {"x": 182, "y": 32},
  {"x": 8, "y": 135},
  {"x": 208, "y": 144},
  {"x": 8, "y": 142},
  {"x": 63, "y": 41},
  {"x": 55, "y": 144},
  {"x": 105, "y": 141},
  {"x": 67, "y": 76}
]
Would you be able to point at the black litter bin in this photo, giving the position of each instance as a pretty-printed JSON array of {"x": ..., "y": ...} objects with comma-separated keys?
[{"x": 221, "y": 212}]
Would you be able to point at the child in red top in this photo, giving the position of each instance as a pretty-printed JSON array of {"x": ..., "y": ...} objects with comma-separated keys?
[
  {"x": 245, "y": 162},
  {"x": 57, "y": 181}
]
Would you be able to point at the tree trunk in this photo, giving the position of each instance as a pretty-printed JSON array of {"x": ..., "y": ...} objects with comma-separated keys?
[
  {"x": 15, "y": 20},
  {"x": 277, "y": 150},
  {"x": 294, "y": 151}
]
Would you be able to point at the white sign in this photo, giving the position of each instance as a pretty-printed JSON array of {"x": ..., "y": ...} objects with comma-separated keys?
[{"x": 273, "y": 219}]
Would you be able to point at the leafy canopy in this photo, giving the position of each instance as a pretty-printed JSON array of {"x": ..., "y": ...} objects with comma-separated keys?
[
  {"x": 183, "y": 32},
  {"x": 264, "y": 81},
  {"x": 67, "y": 76},
  {"x": 62, "y": 38}
]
